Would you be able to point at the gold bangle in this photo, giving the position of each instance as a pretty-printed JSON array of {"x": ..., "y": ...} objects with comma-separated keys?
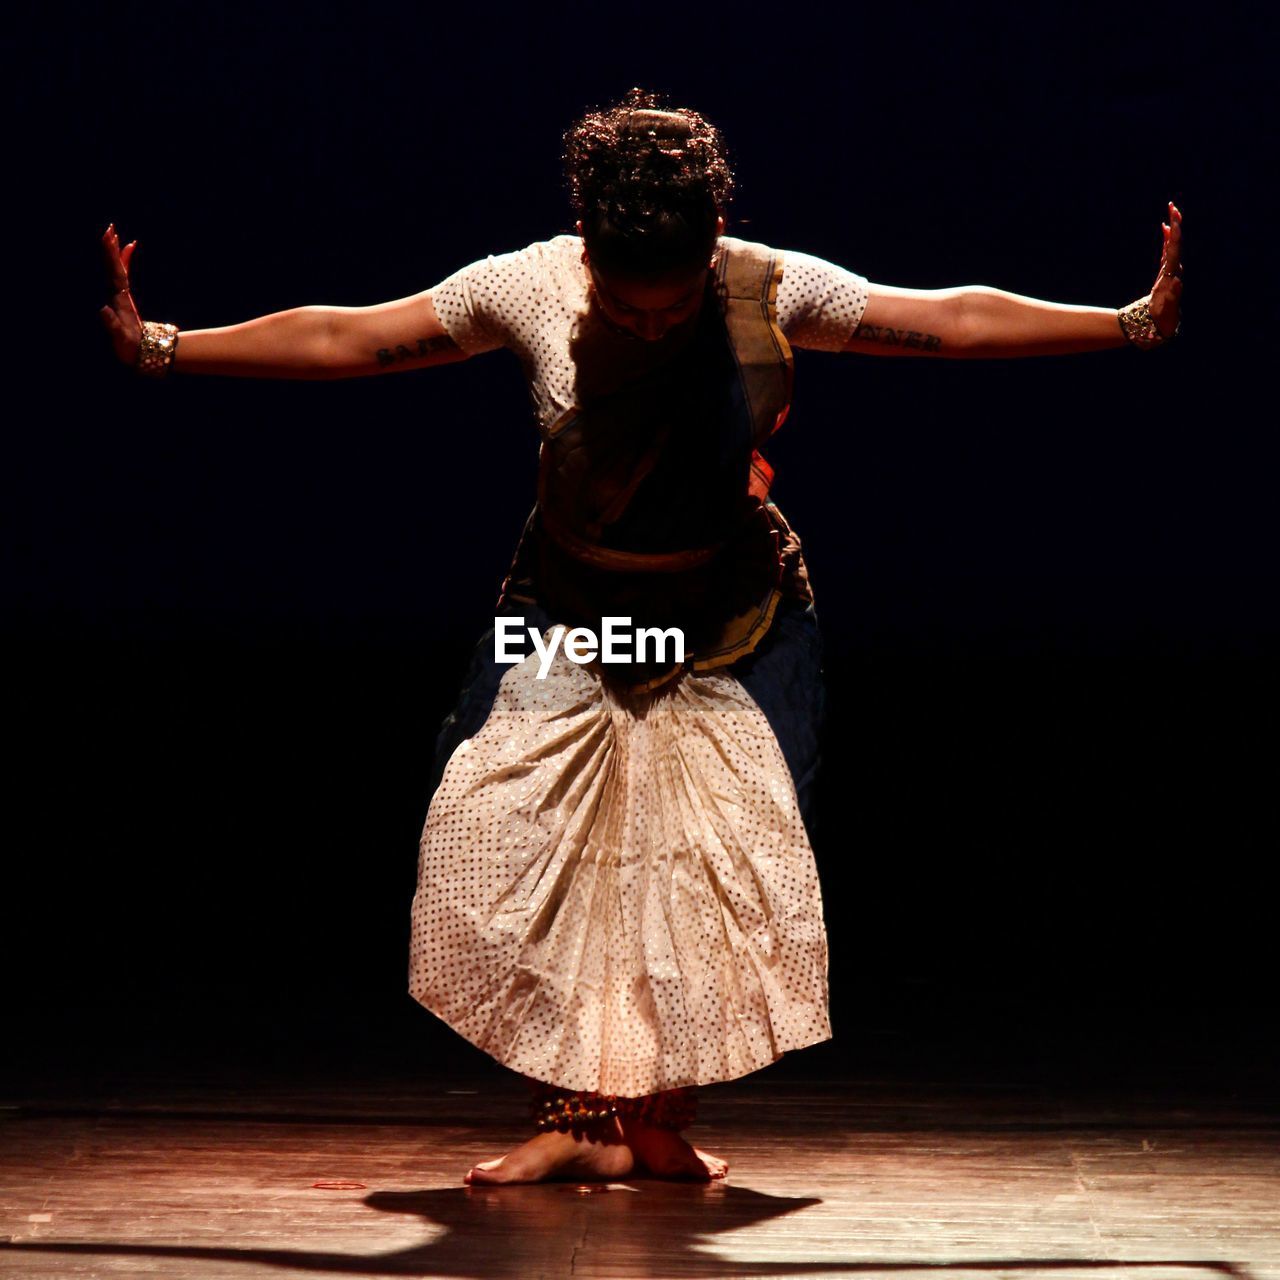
[
  {"x": 157, "y": 349},
  {"x": 1138, "y": 327}
]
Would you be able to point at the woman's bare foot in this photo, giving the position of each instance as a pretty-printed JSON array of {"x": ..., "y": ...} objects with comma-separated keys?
[
  {"x": 665, "y": 1154},
  {"x": 559, "y": 1155}
]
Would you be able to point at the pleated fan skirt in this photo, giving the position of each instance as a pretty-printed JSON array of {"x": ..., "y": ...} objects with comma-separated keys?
[{"x": 616, "y": 890}]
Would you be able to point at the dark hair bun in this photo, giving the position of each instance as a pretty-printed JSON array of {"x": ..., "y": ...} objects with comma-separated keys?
[{"x": 649, "y": 184}]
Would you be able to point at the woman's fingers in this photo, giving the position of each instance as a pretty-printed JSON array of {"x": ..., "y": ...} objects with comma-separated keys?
[
  {"x": 1166, "y": 293},
  {"x": 120, "y": 316},
  {"x": 111, "y": 251},
  {"x": 117, "y": 262},
  {"x": 1171, "y": 260}
]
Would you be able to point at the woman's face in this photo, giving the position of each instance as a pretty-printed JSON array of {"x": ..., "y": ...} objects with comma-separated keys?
[{"x": 649, "y": 308}]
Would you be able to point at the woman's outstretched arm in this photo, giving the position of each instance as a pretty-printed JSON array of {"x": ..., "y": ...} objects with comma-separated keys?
[
  {"x": 305, "y": 342},
  {"x": 977, "y": 322}
]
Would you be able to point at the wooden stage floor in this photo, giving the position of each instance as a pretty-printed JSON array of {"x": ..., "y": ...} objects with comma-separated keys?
[{"x": 837, "y": 1178}]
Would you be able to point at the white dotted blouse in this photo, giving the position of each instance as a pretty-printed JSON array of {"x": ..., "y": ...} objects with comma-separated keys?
[{"x": 537, "y": 302}]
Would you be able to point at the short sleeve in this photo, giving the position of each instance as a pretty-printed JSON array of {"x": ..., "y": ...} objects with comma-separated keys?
[
  {"x": 819, "y": 303},
  {"x": 484, "y": 304}
]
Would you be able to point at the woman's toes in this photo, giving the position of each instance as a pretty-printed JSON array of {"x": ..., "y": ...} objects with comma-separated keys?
[
  {"x": 487, "y": 1171},
  {"x": 552, "y": 1155},
  {"x": 666, "y": 1155},
  {"x": 681, "y": 1161}
]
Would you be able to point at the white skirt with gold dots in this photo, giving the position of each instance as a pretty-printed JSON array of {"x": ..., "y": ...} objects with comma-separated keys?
[{"x": 616, "y": 891}]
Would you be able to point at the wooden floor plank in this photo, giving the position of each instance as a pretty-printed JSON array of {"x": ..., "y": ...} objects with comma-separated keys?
[{"x": 827, "y": 1179}]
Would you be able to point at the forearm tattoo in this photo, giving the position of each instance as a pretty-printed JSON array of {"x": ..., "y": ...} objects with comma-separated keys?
[
  {"x": 887, "y": 337},
  {"x": 423, "y": 347}
]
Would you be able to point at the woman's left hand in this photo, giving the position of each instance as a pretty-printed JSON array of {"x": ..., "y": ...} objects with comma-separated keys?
[
  {"x": 120, "y": 316},
  {"x": 1166, "y": 293}
]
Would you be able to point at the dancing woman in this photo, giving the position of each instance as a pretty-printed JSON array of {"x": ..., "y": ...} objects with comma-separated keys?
[{"x": 617, "y": 895}]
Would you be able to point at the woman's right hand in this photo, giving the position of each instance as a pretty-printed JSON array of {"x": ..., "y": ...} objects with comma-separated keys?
[{"x": 120, "y": 317}]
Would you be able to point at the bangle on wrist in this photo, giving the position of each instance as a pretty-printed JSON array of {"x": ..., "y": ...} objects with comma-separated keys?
[
  {"x": 1139, "y": 328},
  {"x": 157, "y": 349}
]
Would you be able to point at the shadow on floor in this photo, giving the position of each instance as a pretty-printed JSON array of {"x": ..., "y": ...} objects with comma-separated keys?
[{"x": 639, "y": 1228}]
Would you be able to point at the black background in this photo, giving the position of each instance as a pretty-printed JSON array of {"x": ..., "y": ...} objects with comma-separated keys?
[{"x": 239, "y": 609}]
